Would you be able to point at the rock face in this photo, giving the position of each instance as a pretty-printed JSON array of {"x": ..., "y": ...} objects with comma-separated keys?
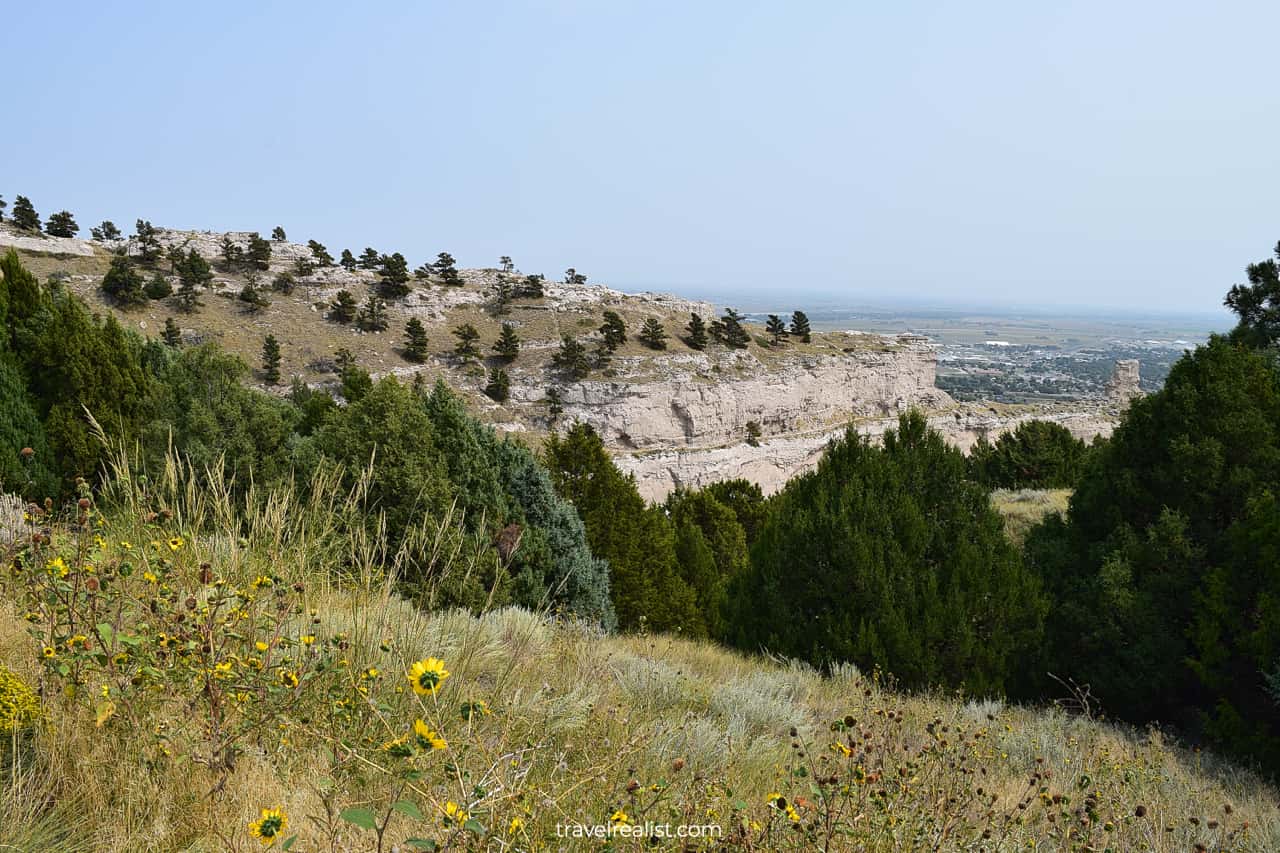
[
  {"x": 44, "y": 243},
  {"x": 705, "y": 400},
  {"x": 777, "y": 460},
  {"x": 1125, "y": 382}
]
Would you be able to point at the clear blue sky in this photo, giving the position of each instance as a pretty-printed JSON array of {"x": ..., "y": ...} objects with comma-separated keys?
[{"x": 1083, "y": 153}]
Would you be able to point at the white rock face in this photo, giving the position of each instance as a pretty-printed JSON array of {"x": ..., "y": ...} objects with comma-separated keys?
[
  {"x": 1125, "y": 383},
  {"x": 708, "y": 400},
  {"x": 777, "y": 460},
  {"x": 42, "y": 243}
]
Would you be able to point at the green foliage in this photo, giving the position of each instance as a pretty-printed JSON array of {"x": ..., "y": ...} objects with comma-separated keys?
[
  {"x": 171, "y": 335},
  {"x": 653, "y": 335},
  {"x": 572, "y": 276},
  {"x": 555, "y": 402},
  {"x": 148, "y": 242},
  {"x": 24, "y": 447},
  {"x": 747, "y": 502},
  {"x": 637, "y": 540},
  {"x": 1036, "y": 455},
  {"x": 284, "y": 282},
  {"x": 277, "y": 234},
  {"x": 507, "y": 347},
  {"x": 347, "y": 261},
  {"x": 468, "y": 337},
  {"x": 1163, "y": 577},
  {"x": 531, "y": 287},
  {"x": 24, "y": 215},
  {"x": 446, "y": 269},
  {"x": 320, "y": 253},
  {"x": 253, "y": 298},
  {"x": 258, "y": 252},
  {"x": 800, "y": 327},
  {"x": 753, "y": 433},
  {"x": 499, "y": 387},
  {"x": 61, "y": 224},
  {"x": 415, "y": 341},
  {"x": 271, "y": 360},
  {"x": 613, "y": 331},
  {"x": 393, "y": 282},
  {"x": 343, "y": 308},
  {"x": 194, "y": 271},
  {"x": 369, "y": 259},
  {"x": 571, "y": 359},
  {"x": 373, "y": 314},
  {"x": 123, "y": 283},
  {"x": 728, "y": 330},
  {"x": 776, "y": 329},
  {"x": 158, "y": 287},
  {"x": 711, "y": 550},
  {"x": 19, "y": 704},
  {"x": 696, "y": 333},
  {"x": 1257, "y": 304},
  {"x": 889, "y": 556},
  {"x": 106, "y": 231}
]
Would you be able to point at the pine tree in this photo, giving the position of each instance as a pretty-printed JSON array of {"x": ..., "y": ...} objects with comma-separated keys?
[
  {"x": 232, "y": 252},
  {"x": 613, "y": 330},
  {"x": 555, "y": 402},
  {"x": 277, "y": 234},
  {"x": 123, "y": 283},
  {"x": 373, "y": 314},
  {"x": 61, "y": 224},
  {"x": 158, "y": 287},
  {"x": 106, "y": 231},
  {"x": 467, "y": 337},
  {"x": 696, "y": 333},
  {"x": 271, "y": 360},
  {"x": 728, "y": 330},
  {"x": 343, "y": 307},
  {"x": 506, "y": 264},
  {"x": 24, "y": 214},
  {"x": 258, "y": 253},
  {"x": 188, "y": 297},
  {"x": 194, "y": 270},
  {"x": 320, "y": 253},
  {"x": 284, "y": 282},
  {"x": 571, "y": 358},
  {"x": 369, "y": 259},
  {"x": 499, "y": 387},
  {"x": 531, "y": 287},
  {"x": 415, "y": 341},
  {"x": 252, "y": 298},
  {"x": 637, "y": 540},
  {"x": 3, "y": 205},
  {"x": 507, "y": 346},
  {"x": 652, "y": 334},
  {"x": 303, "y": 267},
  {"x": 572, "y": 276},
  {"x": 503, "y": 292},
  {"x": 172, "y": 335},
  {"x": 347, "y": 261},
  {"x": 777, "y": 330},
  {"x": 446, "y": 269},
  {"x": 394, "y": 276},
  {"x": 800, "y": 327}
]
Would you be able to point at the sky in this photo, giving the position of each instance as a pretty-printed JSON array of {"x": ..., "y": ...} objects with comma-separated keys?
[{"x": 1091, "y": 154}]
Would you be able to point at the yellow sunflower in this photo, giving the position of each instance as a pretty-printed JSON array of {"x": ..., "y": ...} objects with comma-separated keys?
[
  {"x": 427, "y": 739},
  {"x": 426, "y": 675},
  {"x": 270, "y": 826}
]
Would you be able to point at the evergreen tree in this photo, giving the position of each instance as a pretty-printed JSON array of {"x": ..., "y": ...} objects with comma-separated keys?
[
  {"x": 571, "y": 358},
  {"x": 800, "y": 327},
  {"x": 271, "y": 360},
  {"x": 394, "y": 276},
  {"x": 446, "y": 269},
  {"x": 728, "y": 330},
  {"x": 467, "y": 337},
  {"x": 747, "y": 502},
  {"x": 1036, "y": 455},
  {"x": 613, "y": 331},
  {"x": 158, "y": 287},
  {"x": 499, "y": 387},
  {"x": 343, "y": 307},
  {"x": 320, "y": 253},
  {"x": 284, "y": 282},
  {"x": 61, "y": 224},
  {"x": 531, "y": 287},
  {"x": 277, "y": 234},
  {"x": 106, "y": 231},
  {"x": 653, "y": 335},
  {"x": 187, "y": 296},
  {"x": 503, "y": 292},
  {"x": 148, "y": 239},
  {"x": 258, "y": 252},
  {"x": 507, "y": 346},
  {"x": 890, "y": 557},
  {"x": 303, "y": 267},
  {"x": 123, "y": 283},
  {"x": 369, "y": 259},
  {"x": 777, "y": 330},
  {"x": 373, "y": 314},
  {"x": 348, "y": 261},
  {"x": 25, "y": 457},
  {"x": 252, "y": 298},
  {"x": 194, "y": 270},
  {"x": 415, "y": 341},
  {"x": 555, "y": 402},
  {"x": 696, "y": 333},
  {"x": 172, "y": 335},
  {"x": 637, "y": 540},
  {"x": 3, "y": 205},
  {"x": 232, "y": 252},
  {"x": 506, "y": 264},
  {"x": 1257, "y": 304},
  {"x": 572, "y": 276},
  {"x": 24, "y": 214},
  {"x": 711, "y": 551}
]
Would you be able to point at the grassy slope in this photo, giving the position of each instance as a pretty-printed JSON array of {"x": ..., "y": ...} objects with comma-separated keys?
[
  {"x": 1022, "y": 509},
  {"x": 582, "y": 725}
]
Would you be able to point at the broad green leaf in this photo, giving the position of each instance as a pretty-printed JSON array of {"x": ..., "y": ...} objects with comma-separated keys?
[
  {"x": 361, "y": 817},
  {"x": 405, "y": 807}
]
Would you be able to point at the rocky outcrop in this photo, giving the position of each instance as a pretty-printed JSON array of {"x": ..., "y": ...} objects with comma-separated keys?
[
  {"x": 707, "y": 400},
  {"x": 777, "y": 460},
  {"x": 44, "y": 243},
  {"x": 1125, "y": 383}
]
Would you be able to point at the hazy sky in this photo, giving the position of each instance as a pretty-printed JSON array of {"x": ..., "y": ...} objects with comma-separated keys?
[{"x": 1086, "y": 153}]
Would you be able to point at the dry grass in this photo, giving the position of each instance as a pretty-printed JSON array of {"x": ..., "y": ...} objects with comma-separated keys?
[
  {"x": 583, "y": 726},
  {"x": 1023, "y": 509}
]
